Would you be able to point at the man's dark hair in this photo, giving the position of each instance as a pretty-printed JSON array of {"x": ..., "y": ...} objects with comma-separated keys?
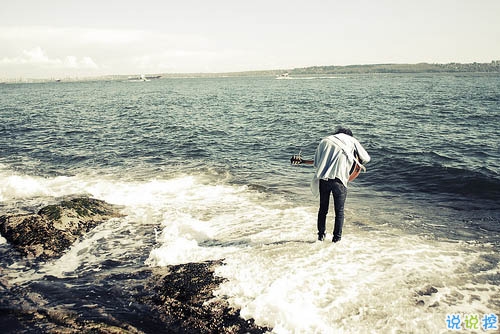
[{"x": 340, "y": 129}]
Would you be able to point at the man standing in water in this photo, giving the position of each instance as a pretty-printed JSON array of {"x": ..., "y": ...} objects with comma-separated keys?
[{"x": 334, "y": 160}]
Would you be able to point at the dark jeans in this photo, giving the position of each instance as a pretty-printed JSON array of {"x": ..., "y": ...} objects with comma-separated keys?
[{"x": 339, "y": 192}]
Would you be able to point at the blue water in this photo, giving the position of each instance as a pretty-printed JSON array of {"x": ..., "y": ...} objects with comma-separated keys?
[
  {"x": 434, "y": 174},
  {"x": 433, "y": 138}
]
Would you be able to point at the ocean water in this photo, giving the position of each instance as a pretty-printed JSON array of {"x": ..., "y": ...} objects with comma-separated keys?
[{"x": 201, "y": 168}]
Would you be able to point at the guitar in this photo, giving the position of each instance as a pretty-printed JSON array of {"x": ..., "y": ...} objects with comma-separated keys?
[
  {"x": 298, "y": 160},
  {"x": 355, "y": 168},
  {"x": 353, "y": 173}
]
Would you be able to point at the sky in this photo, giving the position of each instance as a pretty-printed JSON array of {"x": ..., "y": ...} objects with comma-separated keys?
[{"x": 66, "y": 38}]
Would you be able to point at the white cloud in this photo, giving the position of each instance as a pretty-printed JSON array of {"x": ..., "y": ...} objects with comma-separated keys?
[
  {"x": 36, "y": 51},
  {"x": 38, "y": 57},
  {"x": 41, "y": 51},
  {"x": 33, "y": 56},
  {"x": 87, "y": 62}
]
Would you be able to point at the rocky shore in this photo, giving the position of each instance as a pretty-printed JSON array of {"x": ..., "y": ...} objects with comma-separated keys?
[
  {"x": 175, "y": 299},
  {"x": 51, "y": 231}
]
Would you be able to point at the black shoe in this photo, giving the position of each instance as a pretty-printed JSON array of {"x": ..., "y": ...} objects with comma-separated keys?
[
  {"x": 321, "y": 237},
  {"x": 335, "y": 239}
]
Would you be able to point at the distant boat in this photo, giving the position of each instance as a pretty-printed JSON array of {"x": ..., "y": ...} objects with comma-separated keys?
[
  {"x": 142, "y": 77},
  {"x": 283, "y": 76}
]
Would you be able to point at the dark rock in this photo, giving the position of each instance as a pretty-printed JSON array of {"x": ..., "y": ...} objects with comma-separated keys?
[
  {"x": 427, "y": 291},
  {"x": 424, "y": 296},
  {"x": 184, "y": 298},
  {"x": 55, "y": 228},
  {"x": 176, "y": 299}
]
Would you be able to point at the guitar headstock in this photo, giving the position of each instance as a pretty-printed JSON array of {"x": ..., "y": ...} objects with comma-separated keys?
[{"x": 296, "y": 160}]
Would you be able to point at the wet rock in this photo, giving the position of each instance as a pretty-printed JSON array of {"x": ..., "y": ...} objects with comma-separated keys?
[
  {"x": 48, "y": 233},
  {"x": 184, "y": 299},
  {"x": 176, "y": 299},
  {"x": 426, "y": 296},
  {"x": 427, "y": 291}
]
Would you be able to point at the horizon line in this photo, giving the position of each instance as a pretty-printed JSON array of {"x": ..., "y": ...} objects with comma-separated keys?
[{"x": 97, "y": 76}]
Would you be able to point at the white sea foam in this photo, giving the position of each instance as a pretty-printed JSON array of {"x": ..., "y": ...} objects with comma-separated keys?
[
  {"x": 368, "y": 282},
  {"x": 16, "y": 186},
  {"x": 377, "y": 279}
]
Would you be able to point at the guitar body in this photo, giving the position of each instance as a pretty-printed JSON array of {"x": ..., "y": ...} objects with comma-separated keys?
[
  {"x": 354, "y": 172},
  {"x": 355, "y": 169}
]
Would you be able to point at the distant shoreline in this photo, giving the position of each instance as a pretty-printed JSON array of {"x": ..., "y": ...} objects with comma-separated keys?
[{"x": 492, "y": 67}]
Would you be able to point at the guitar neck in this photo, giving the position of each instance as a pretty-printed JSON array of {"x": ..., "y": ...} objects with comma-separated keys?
[{"x": 298, "y": 160}]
